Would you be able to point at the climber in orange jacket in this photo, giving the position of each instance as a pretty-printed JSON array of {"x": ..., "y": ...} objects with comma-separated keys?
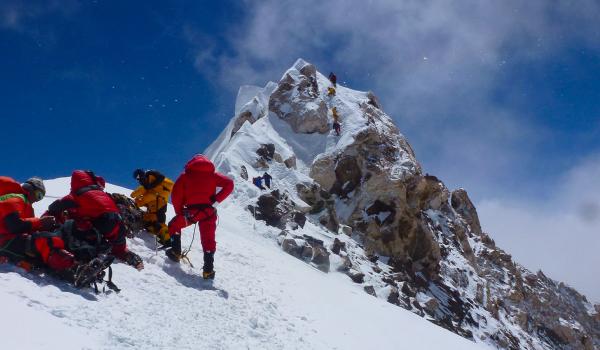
[
  {"x": 153, "y": 194},
  {"x": 193, "y": 197}
]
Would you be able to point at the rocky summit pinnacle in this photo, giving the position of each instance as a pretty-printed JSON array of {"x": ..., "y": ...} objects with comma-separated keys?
[{"x": 356, "y": 201}]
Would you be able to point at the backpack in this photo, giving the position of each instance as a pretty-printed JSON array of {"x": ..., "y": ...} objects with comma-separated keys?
[{"x": 131, "y": 215}]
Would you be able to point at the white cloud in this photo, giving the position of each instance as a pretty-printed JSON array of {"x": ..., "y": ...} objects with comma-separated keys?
[
  {"x": 445, "y": 104},
  {"x": 559, "y": 234}
]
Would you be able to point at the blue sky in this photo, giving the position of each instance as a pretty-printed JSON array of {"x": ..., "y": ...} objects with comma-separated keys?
[{"x": 499, "y": 97}]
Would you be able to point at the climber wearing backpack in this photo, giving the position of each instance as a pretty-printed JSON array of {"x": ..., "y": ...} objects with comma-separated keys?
[
  {"x": 193, "y": 197},
  {"x": 153, "y": 194},
  {"x": 336, "y": 121},
  {"x": 28, "y": 241},
  {"x": 95, "y": 215},
  {"x": 333, "y": 79},
  {"x": 267, "y": 179}
]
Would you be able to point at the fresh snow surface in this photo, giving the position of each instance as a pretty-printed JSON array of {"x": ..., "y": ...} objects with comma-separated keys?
[{"x": 262, "y": 298}]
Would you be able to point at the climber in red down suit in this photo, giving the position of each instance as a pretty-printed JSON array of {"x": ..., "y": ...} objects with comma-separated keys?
[
  {"x": 94, "y": 212},
  {"x": 193, "y": 197}
]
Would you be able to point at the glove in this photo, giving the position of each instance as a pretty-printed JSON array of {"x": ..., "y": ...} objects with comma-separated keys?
[
  {"x": 134, "y": 260},
  {"x": 48, "y": 223},
  {"x": 213, "y": 199}
]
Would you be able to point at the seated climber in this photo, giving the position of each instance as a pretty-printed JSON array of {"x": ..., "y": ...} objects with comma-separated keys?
[
  {"x": 330, "y": 91},
  {"x": 153, "y": 195},
  {"x": 29, "y": 242},
  {"x": 95, "y": 215}
]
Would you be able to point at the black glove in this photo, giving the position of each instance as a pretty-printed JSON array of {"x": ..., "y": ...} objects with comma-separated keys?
[
  {"x": 134, "y": 260},
  {"x": 48, "y": 223},
  {"x": 213, "y": 199}
]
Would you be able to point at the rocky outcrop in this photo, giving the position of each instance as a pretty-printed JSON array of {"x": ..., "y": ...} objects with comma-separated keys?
[
  {"x": 278, "y": 210},
  {"x": 297, "y": 101},
  {"x": 465, "y": 208},
  {"x": 306, "y": 248},
  {"x": 402, "y": 234}
]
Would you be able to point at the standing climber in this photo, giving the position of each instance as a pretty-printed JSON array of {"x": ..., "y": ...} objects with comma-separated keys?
[
  {"x": 267, "y": 179},
  {"x": 333, "y": 79},
  {"x": 193, "y": 197},
  {"x": 336, "y": 121},
  {"x": 257, "y": 181},
  {"x": 96, "y": 216},
  {"x": 27, "y": 241},
  {"x": 153, "y": 194}
]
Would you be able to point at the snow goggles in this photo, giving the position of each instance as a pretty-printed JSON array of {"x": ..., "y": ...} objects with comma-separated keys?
[{"x": 38, "y": 195}]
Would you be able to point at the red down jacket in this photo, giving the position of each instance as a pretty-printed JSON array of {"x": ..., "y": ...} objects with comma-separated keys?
[
  {"x": 16, "y": 213},
  {"x": 198, "y": 184},
  {"x": 90, "y": 206}
]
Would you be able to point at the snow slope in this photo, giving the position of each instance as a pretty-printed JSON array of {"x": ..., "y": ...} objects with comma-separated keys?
[{"x": 261, "y": 299}]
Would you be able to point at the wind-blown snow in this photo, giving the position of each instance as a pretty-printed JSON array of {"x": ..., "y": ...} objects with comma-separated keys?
[{"x": 261, "y": 299}]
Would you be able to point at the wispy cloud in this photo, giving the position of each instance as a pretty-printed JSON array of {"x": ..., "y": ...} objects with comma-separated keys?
[
  {"x": 436, "y": 66},
  {"x": 560, "y": 235}
]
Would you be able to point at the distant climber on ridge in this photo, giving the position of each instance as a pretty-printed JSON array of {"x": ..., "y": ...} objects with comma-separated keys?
[
  {"x": 193, "y": 197},
  {"x": 257, "y": 181},
  {"x": 333, "y": 79},
  {"x": 153, "y": 194},
  {"x": 267, "y": 179},
  {"x": 28, "y": 242},
  {"x": 336, "y": 121},
  {"x": 96, "y": 216}
]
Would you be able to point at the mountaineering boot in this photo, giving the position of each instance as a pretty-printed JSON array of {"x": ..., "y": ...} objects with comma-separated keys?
[
  {"x": 208, "y": 271},
  {"x": 88, "y": 273},
  {"x": 174, "y": 253}
]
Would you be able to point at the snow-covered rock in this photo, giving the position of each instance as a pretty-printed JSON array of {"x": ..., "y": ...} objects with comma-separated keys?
[
  {"x": 407, "y": 238},
  {"x": 261, "y": 299}
]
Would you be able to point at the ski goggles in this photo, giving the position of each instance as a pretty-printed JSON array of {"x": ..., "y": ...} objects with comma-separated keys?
[{"x": 38, "y": 195}]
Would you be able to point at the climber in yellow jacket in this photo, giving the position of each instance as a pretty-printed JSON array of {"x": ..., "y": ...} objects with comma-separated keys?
[{"x": 153, "y": 195}]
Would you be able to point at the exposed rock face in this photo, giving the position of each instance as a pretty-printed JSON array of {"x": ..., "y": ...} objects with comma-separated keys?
[
  {"x": 465, "y": 208},
  {"x": 245, "y": 116},
  {"x": 266, "y": 151},
  {"x": 307, "y": 249},
  {"x": 297, "y": 101},
  {"x": 404, "y": 233},
  {"x": 277, "y": 210}
]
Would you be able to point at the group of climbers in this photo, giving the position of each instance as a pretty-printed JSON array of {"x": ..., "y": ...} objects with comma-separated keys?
[
  {"x": 337, "y": 127},
  {"x": 80, "y": 234},
  {"x": 258, "y": 181},
  {"x": 29, "y": 241}
]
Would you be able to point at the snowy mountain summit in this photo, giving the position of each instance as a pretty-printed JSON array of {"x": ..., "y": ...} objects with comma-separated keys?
[{"x": 359, "y": 204}]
